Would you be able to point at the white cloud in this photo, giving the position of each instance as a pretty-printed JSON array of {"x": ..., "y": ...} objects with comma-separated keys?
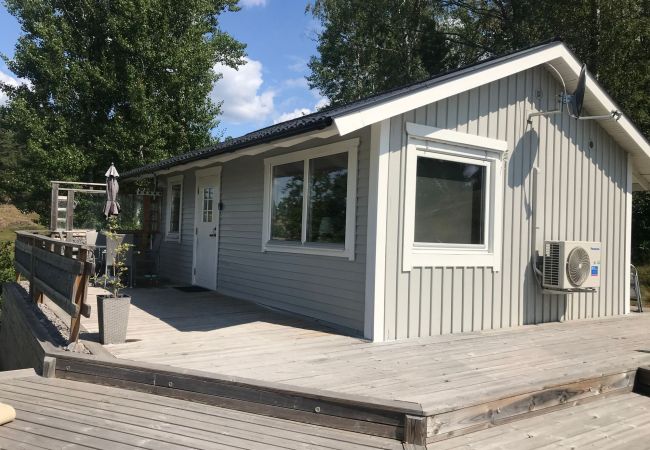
[
  {"x": 240, "y": 90},
  {"x": 251, "y": 3},
  {"x": 6, "y": 79},
  {"x": 322, "y": 103},
  {"x": 298, "y": 65},
  {"x": 298, "y": 112},
  {"x": 300, "y": 82}
]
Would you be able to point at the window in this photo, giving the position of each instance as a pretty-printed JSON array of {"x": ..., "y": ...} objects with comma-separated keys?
[
  {"x": 310, "y": 201},
  {"x": 208, "y": 204},
  {"x": 452, "y": 205},
  {"x": 174, "y": 208},
  {"x": 450, "y": 202},
  {"x": 288, "y": 187}
]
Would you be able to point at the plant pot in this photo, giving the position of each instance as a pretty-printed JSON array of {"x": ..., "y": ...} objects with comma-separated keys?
[{"x": 113, "y": 317}]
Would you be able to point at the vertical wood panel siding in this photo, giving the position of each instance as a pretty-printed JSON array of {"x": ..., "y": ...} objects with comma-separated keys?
[
  {"x": 581, "y": 196},
  {"x": 176, "y": 257},
  {"x": 327, "y": 288}
]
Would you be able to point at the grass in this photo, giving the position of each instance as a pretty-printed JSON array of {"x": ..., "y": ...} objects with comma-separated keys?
[{"x": 11, "y": 220}]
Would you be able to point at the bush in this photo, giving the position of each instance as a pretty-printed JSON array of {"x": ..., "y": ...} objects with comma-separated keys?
[{"x": 7, "y": 272}]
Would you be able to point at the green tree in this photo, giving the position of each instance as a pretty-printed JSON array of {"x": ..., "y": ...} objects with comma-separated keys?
[
  {"x": 10, "y": 153},
  {"x": 367, "y": 47},
  {"x": 611, "y": 36},
  {"x": 122, "y": 81}
]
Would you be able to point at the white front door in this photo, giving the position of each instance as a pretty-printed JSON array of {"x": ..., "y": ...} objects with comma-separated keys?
[{"x": 206, "y": 232}]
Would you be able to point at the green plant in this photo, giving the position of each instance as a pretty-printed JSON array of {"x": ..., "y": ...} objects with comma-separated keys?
[
  {"x": 113, "y": 281},
  {"x": 7, "y": 272}
]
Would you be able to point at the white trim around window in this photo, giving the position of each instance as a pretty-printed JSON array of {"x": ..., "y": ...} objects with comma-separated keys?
[
  {"x": 174, "y": 236},
  {"x": 347, "y": 249},
  {"x": 430, "y": 142}
]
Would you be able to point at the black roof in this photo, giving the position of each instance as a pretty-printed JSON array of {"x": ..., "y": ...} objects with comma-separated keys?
[{"x": 323, "y": 118}]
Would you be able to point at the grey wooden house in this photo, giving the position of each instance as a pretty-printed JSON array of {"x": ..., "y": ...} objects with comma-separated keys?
[{"x": 416, "y": 212}]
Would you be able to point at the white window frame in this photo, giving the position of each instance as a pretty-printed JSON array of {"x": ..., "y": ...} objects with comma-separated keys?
[
  {"x": 448, "y": 145},
  {"x": 347, "y": 251},
  {"x": 169, "y": 235}
]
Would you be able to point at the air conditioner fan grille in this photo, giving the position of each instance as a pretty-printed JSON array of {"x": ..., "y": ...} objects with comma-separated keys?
[{"x": 578, "y": 266}]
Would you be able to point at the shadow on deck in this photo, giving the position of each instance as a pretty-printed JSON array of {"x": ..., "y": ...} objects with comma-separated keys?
[{"x": 204, "y": 311}]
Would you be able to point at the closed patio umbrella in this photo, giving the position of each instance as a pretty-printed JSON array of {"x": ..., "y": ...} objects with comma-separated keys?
[{"x": 112, "y": 207}]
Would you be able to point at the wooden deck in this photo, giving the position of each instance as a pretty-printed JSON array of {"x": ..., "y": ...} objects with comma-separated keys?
[
  {"x": 208, "y": 332},
  {"x": 54, "y": 414},
  {"x": 620, "y": 422}
]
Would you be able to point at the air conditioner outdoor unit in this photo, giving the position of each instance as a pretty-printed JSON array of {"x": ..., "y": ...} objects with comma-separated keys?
[{"x": 571, "y": 265}]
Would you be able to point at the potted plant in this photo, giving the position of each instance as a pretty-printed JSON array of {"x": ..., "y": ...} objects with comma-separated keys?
[{"x": 113, "y": 308}]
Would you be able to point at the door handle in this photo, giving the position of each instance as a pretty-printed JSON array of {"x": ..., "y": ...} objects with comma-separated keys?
[{"x": 214, "y": 232}]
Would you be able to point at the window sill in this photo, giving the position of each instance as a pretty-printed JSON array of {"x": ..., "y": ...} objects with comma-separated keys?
[
  {"x": 451, "y": 258},
  {"x": 309, "y": 250}
]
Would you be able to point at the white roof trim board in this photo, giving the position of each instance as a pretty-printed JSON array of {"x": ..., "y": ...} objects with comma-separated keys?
[
  {"x": 597, "y": 101},
  {"x": 455, "y": 138}
]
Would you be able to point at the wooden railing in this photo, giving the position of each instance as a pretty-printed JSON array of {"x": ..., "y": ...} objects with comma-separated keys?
[{"x": 58, "y": 269}]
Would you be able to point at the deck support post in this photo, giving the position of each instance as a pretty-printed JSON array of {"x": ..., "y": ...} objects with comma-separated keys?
[
  {"x": 415, "y": 432},
  {"x": 49, "y": 367}
]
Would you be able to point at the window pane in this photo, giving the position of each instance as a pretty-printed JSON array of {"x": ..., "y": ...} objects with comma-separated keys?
[
  {"x": 286, "y": 203},
  {"x": 175, "y": 216},
  {"x": 328, "y": 186},
  {"x": 208, "y": 194},
  {"x": 449, "y": 202}
]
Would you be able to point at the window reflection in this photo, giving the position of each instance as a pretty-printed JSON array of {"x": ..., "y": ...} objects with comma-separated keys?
[
  {"x": 328, "y": 179},
  {"x": 286, "y": 214}
]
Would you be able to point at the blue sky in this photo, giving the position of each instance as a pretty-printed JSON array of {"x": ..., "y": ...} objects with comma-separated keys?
[{"x": 270, "y": 88}]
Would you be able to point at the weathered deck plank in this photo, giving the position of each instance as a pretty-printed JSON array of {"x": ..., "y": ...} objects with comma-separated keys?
[
  {"x": 54, "y": 413},
  {"x": 205, "y": 331},
  {"x": 620, "y": 422}
]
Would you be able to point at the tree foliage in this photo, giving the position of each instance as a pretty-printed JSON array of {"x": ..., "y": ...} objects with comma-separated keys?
[
  {"x": 367, "y": 47},
  {"x": 124, "y": 81},
  {"x": 611, "y": 37}
]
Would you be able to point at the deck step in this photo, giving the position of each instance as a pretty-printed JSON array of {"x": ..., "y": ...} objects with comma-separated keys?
[
  {"x": 391, "y": 419},
  {"x": 376, "y": 417},
  {"x": 609, "y": 422},
  {"x": 463, "y": 420}
]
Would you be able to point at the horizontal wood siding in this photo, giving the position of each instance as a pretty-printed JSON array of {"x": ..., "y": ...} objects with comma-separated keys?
[
  {"x": 176, "y": 257},
  {"x": 327, "y": 288},
  {"x": 582, "y": 196}
]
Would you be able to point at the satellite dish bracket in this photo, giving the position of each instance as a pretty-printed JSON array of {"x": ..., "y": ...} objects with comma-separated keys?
[{"x": 573, "y": 101}]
